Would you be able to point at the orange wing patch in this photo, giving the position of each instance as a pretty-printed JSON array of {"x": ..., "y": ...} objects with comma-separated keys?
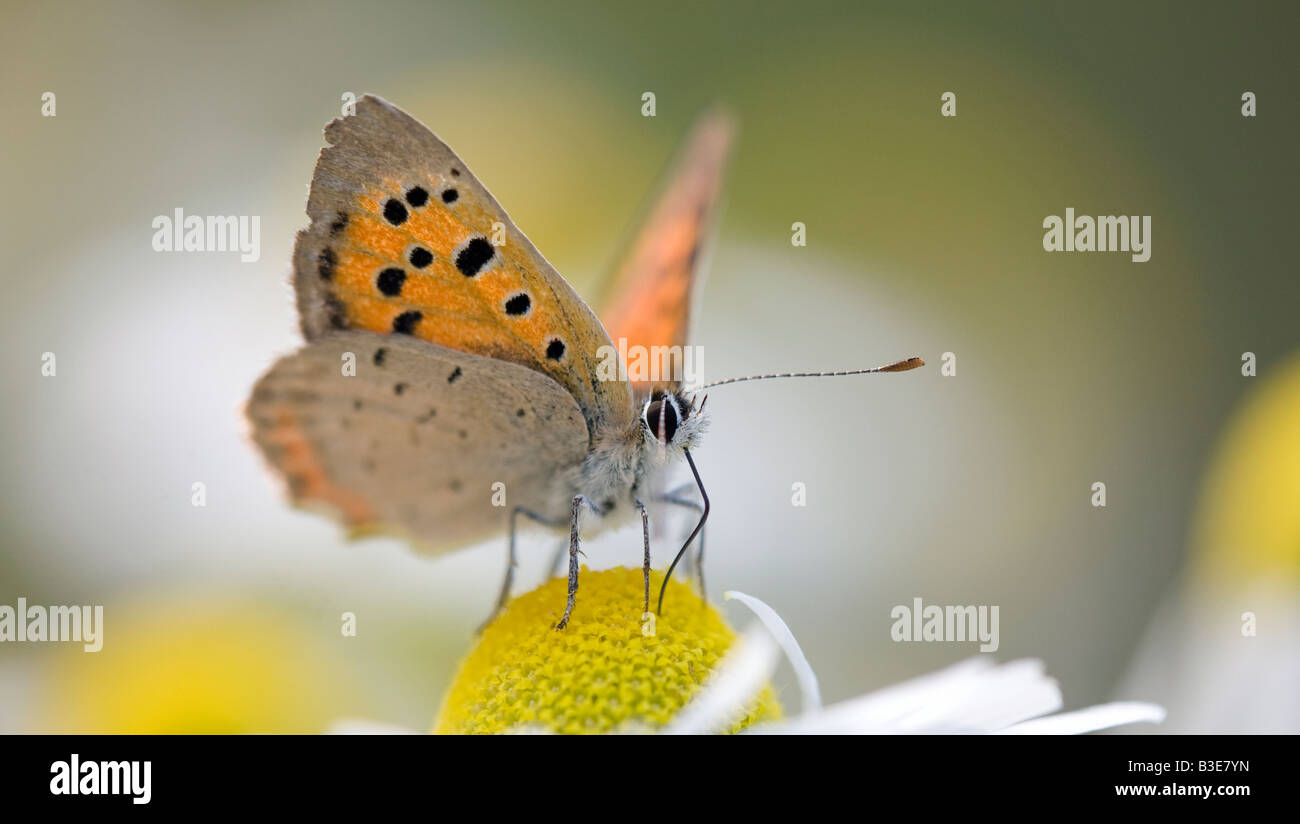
[
  {"x": 430, "y": 270},
  {"x": 649, "y": 302},
  {"x": 292, "y": 452}
]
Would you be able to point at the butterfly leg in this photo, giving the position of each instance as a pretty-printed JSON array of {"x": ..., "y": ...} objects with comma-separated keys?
[
  {"x": 578, "y": 501},
  {"x": 512, "y": 560},
  {"x": 676, "y": 498},
  {"x": 645, "y": 535}
]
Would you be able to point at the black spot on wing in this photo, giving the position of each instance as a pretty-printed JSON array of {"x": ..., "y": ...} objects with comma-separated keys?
[
  {"x": 474, "y": 255},
  {"x": 404, "y": 324},
  {"x": 379, "y": 356},
  {"x": 420, "y": 257},
  {"x": 326, "y": 261},
  {"x": 336, "y": 312},
  {"x": 394, "y": 212},
  {"x": 456, "y": 373},
  {"x": 390, "y": 281},
  {"x": 417, "y": 196},
  {"x": 519, "y": 304}
]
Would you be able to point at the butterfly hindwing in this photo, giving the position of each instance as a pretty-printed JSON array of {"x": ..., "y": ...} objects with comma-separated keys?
[
  {"x": 652, "y": 291},
  {"x": 405, "y": 240},
  {"x": 418, "y": 438}
]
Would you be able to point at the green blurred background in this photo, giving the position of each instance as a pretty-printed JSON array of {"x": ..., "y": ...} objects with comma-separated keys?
[{"x": 924, "y": 237}]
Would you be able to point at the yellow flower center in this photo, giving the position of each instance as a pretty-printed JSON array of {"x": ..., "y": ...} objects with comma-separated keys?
[
  {"x": 1248, "y": 527},
  {"x": 607, "y": 671}
]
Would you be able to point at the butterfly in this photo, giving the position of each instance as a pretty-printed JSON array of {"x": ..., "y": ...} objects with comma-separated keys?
[{"x": 452, "y": 381}]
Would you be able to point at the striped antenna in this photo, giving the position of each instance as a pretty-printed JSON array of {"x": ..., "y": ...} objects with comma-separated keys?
[{"x": 898, "y": 366}]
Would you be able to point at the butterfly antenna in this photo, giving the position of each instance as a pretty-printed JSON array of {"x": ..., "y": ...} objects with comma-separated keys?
[
  {"x": 898, "y": 366},
  {"x": 703, "y": 517}
]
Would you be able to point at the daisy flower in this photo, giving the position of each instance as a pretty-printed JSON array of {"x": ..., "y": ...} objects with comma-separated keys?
[{"x": 617, "y": 669}]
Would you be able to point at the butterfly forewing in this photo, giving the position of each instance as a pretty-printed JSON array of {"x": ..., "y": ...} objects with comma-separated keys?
[
  {"x": 652, "y": 291},
  {"x": 405, "y": 240},
  {"x": 435, "y": 443}
]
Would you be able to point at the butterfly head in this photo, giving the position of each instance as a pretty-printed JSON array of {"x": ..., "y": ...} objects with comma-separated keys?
[{"x": 672, "y": 420}]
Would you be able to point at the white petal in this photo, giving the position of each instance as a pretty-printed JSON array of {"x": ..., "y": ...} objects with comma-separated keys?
[
  {"x": 1100, "y": 717},
  {"x": 972, "y": 696},
  {"x": 809, "y": 690}
]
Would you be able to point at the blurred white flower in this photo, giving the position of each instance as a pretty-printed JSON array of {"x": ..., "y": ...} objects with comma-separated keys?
[{"x": 974, "y": 696}]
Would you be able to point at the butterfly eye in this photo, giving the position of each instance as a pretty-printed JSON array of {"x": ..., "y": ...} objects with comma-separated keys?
[{"x": 666, "y": 409}]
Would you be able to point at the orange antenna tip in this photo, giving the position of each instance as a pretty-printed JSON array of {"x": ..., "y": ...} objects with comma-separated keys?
[{"x": 903, "y": 365}]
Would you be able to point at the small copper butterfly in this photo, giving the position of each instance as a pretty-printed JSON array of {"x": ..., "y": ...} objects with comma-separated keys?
[{"x": 475, "y": 375}]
